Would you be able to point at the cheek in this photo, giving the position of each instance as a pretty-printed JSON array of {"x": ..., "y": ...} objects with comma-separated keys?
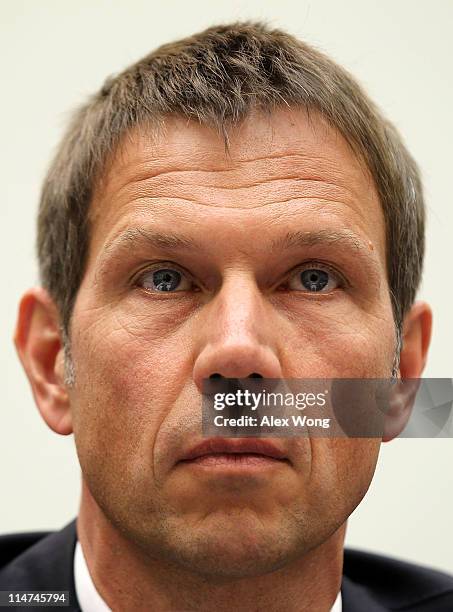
[
  {"x": 342, "y": 470},
  {"x": 127, "y": 379},
  {"x": 342, "y": 342},
  {"x": 130, "y": 355}
]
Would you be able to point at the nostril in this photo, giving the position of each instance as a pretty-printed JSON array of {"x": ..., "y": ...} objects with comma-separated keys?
[{"x": 252, "y": 375}]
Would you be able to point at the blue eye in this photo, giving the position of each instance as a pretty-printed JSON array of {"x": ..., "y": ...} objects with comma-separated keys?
[
  {"x": 313, "y": 280},
  {"x": 165, "y": 280}
]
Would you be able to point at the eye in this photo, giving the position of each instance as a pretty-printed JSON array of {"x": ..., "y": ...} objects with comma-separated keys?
[
  {"x": 314, "y": 279},
  {"x": 163, "y": 280}
]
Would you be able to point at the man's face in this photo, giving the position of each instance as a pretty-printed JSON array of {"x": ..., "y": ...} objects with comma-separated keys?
[{"x": 292, "y": 197}]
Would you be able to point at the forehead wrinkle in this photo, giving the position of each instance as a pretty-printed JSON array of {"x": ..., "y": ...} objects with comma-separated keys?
[
  {"x": 160, "y": 169},
  {"x": 254, "y": 196},
  {"x": 139, "y": 168},
  {"x": 205, "y": 171},
  {"x": 287, "y": 138},
  {"x": 167, "y": 179},
  {"x": 214, "y": 188}
]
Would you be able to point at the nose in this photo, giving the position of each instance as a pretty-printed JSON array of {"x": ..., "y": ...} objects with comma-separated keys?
[{"x": 239, "y": 335}]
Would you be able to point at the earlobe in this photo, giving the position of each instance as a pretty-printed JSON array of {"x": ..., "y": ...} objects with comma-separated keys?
[
  {"x": 414, "y": 352},
  {"x": 38, "y": 343},
  {"x": 399, "y": 405}
]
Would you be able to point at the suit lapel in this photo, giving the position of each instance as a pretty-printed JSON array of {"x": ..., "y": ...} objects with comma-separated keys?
[
  {"x": 48, "y": 565},
  {"x": 356, "y": 598}
]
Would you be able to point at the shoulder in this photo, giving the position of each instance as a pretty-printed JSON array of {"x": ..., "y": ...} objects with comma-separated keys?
[
  {"x": 40, "y": 560},
  {"x": 12, "y": 545},
  {"x": 398, "y": 584}
]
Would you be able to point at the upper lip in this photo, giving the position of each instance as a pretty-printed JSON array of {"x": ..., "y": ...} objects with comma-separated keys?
[{"x": 212, "y": 446}]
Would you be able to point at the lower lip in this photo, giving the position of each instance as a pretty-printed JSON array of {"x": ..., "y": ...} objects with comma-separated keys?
[{"x": 235, "y": 460}]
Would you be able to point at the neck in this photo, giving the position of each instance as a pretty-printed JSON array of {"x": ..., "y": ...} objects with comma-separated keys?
[{"x": 128, "y": 580}]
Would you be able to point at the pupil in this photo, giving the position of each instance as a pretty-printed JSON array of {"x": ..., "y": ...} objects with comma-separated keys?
[
  {"x": 314, "y": 280},
  {"x": 166, "y": 280}
]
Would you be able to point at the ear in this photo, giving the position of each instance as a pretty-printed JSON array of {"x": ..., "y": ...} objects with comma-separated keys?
[
  {"x": 417, "y": 327},
  {"x": 40, "y": 349}
]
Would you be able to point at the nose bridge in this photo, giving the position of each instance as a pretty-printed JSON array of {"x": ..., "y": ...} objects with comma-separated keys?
[
  {"x": 237, "y": 336},
  {"x": 239, "y": 307}
]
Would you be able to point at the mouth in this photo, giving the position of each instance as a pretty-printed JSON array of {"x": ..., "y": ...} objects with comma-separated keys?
[{"x": 235, "y": 453}]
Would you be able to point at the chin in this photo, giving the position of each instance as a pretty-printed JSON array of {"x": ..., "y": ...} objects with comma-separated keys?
[{"x": 236, "y": 545}]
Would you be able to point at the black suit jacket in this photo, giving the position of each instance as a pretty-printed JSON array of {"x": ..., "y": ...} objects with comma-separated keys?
[{"x": 43, "y": 561}]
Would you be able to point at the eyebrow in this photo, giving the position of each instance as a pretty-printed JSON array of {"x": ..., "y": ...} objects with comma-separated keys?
[
  {"x": 137, "y": 237},
  {"x": 168, "y": 240},
  {"x": 159, "y": 240},
  {"x": 312, "y": 238}
]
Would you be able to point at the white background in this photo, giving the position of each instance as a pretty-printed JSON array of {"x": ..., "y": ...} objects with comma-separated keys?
[{"x": 53, "y": 54}]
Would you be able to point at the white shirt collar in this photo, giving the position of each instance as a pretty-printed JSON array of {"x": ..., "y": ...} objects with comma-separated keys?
[
  {"x": 91, "y": 601},
  {"x": 337, "y": 605}
]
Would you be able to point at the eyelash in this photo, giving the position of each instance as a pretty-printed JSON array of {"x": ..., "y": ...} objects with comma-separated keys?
[{"x": 339, "y": 277}]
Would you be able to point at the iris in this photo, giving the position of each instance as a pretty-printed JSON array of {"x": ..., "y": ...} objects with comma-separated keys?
[
  {"x": 165, "y": 279},
  {"x": 314, "y": 279}
]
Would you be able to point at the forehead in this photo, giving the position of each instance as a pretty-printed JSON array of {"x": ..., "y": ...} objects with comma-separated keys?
[{"x": 287, "y": 159}]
